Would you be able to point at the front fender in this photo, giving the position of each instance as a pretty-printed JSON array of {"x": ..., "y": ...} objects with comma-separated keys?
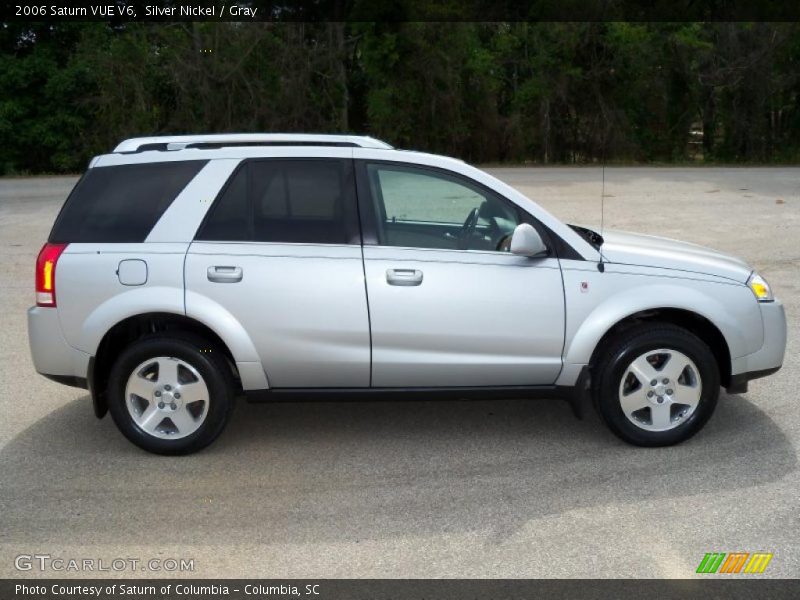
[{"x": 731, "y": 308}]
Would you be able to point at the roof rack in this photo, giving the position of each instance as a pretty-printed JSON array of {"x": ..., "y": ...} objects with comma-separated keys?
[{"x": 179, "y": 142}]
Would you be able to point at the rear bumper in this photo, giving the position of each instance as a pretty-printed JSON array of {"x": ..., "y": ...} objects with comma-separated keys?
[
  {"x": 52, "y": 356},
  {"x": 769, "y": 358}
]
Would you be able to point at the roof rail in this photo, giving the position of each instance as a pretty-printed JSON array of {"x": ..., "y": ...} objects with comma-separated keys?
[{"x": 179, "y": 142}]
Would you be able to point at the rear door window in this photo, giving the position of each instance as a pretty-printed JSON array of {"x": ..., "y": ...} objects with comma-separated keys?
[
  {"x": 121, "y": 203},
  {"x": 290, "y": 201}
]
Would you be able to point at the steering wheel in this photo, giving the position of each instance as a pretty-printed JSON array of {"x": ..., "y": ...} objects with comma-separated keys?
[{"x": 468, "y": 228}]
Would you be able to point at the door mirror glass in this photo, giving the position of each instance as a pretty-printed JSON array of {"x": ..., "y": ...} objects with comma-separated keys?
[{"x": 526, "y": 241}]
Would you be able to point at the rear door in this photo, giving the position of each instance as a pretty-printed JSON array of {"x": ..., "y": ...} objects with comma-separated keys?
[{"x": 280, "y": 250}]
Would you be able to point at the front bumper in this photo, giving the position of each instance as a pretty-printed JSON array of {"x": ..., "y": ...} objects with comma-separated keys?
[
  {"x": 52, "y": 356},
  {"x": 769, "y": 358}
]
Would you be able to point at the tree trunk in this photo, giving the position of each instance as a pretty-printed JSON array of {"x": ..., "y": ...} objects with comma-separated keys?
[
  {"x": 341, "y": 74},
  {"x": 709, "y": 123}
]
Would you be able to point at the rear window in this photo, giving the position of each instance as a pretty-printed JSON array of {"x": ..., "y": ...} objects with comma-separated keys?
[{"x": 121, "y": 203}]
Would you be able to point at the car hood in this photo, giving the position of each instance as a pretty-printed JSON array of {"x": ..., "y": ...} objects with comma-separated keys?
[{"x": 652, "y": 251}]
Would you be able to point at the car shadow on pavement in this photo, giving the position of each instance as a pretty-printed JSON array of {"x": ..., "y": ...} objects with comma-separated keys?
[{"x": 316, "y": 472}]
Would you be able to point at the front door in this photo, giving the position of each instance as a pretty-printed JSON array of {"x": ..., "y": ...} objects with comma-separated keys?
[
  {"x": 449, "y": 305},
  {"x": 280, "y": 250}
]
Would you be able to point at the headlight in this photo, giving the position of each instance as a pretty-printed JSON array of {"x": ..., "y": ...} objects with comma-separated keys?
[{"x": 760, "y": 288}]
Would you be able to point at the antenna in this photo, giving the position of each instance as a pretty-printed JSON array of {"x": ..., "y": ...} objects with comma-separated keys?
[
  {"x": 603, "y": 198},
  {"x": 600, "y": 266}
]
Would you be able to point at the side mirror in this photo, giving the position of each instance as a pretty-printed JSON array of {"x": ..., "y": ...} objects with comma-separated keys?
[{"x": 526, "y": 241}]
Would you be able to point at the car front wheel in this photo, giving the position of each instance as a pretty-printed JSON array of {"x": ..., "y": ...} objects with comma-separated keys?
[{"x": 656, "y": 385}]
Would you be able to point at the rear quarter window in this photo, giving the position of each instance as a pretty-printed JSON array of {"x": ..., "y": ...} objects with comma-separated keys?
[{"x": 121, "y": 203}]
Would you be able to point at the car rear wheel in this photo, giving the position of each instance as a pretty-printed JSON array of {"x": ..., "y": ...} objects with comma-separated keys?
[
  {"x": 656, "y": 385},
  {"x": 171, "y": 395}
]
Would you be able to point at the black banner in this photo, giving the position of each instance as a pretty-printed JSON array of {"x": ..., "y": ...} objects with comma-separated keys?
[
  {"x": 121, "y": 11},
  {"x": 744, "y": 587}
]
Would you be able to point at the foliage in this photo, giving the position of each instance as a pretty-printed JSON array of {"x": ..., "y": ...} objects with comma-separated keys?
[{"x": 486, "y": 92}]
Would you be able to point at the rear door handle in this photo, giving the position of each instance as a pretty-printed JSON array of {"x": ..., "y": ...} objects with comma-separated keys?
[
  {"x": 221, "y": 274},
  {"x": 403, "y": 276}
]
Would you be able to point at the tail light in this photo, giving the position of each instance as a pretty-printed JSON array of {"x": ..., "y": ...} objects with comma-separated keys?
[{"x": 46, "y": 274}]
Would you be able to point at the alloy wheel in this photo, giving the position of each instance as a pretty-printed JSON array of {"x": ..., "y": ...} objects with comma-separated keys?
[
  {"x": 167, "y": 397},
  {"x": 660, "y": 389}
]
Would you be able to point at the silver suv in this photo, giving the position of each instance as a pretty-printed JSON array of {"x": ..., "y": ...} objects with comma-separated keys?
[{"x": 184, "y": 272}]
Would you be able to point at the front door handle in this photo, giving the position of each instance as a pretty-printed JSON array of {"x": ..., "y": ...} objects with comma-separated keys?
[
  {"x": 403, "y": 276},
  {"x": 224, "y": 274}
]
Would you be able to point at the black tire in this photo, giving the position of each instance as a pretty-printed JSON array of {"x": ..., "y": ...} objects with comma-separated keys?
[
  {"x": 206, "y": 359},
  {"x": 624, "y": 348}
]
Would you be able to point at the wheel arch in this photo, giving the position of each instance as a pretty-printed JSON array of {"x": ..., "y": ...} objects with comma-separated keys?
[
  {"x": 692, "y": 321},
  {"x": 134, "y": 327}
]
